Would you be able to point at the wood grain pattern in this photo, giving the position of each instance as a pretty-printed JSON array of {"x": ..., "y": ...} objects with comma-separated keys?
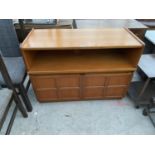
[
  {"x": 45, "y": 63},
  {"x": 81, "y": 64},
  {"x": 79, "y": 39},
  {"x": 93, "y": 93},
  {"x": 46, "y": 95},
  {"x": 69, "y": 94},
  {"x": 90, "y": 80},
  {"x": 28, "y": 58},
  {"x": 68, "y": 81},
  {"x": 94, "y": 86},
  {"x": 118, "y": 79},
  {"x": 115, "y": 91},
  {"x": 41, "y": 82}
]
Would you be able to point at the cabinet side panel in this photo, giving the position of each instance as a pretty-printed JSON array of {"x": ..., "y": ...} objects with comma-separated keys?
[
  {"x": 28, "y": 58},
  {"x": 133, "y": 55}
]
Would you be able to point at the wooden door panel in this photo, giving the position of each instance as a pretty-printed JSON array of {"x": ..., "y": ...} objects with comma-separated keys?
[
  {"x": 90, "y": 80},
  {"x": 40, "y": 82},
  {"x": 118, "y": 79},
  {"x": 93, "y": 93},
  {"x": 68, "y": 81},
  {"x": 47, "y": 95},
  {"x": 69, "y": 93},
  {"x": 69, "y": 87},
  {"x": 115, "y": 91}
]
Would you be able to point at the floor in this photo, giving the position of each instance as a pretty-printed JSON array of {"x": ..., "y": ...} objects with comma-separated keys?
[{"x": 83, "y": 117}]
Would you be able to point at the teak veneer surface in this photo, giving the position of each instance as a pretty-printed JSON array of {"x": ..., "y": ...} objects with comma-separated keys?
[
  {"x": 68, "y": 86},
  {"x": 45, "y": 63},
  {"x": 79, "y": 39},
  {"x": 79, "y": 64}
]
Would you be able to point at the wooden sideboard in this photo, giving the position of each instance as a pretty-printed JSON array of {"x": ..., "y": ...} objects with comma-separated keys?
[{"x": 81, "y": 64}]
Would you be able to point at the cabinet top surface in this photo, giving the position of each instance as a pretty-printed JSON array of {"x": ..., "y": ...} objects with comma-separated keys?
[{"x": 80, "y": 39}]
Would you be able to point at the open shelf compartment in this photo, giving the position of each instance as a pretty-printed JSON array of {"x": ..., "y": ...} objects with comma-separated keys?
[{"x": 81, "y": 61}]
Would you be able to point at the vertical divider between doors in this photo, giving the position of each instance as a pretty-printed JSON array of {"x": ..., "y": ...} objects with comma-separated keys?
[
  {"x": 81, "y": 86},
  {"x": 107, "y": 79},
  {"x": 57, "y": 87}
]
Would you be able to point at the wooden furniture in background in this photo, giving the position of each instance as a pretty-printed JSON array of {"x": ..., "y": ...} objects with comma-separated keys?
[
  {"x": 136, "y": 27},
  {"x": 79, "y": 64},
  {"x": 22, "y": 29}
]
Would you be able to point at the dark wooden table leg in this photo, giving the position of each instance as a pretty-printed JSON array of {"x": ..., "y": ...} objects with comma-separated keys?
[{"x": 25, "y": 98}]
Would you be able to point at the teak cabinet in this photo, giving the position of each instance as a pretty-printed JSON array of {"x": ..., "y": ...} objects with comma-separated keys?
[{"x": 81, "y": 64}]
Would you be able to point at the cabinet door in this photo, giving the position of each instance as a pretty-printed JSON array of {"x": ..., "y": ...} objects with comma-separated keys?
[
  {"x": 40, "y": 82},
  {"x": 90, "y": 80},
  {"x": 69, "y": 93},
  {"x": 93, "y": 93},
  {"x": 115, "y": 92},
  {"x": 68, "y": 81},
  {"x": 118, "y": 79},
  {"x": 46, "y": 95},
  {"x": 68, "y": 87}
]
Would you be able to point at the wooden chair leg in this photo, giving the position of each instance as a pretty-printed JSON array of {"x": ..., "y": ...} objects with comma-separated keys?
[
  {"x": 19, "y": 104},
  {"x": 11, "y": 121},
  {"x": 5, "y": 113},
  {"x": 25, "y": 98},
  {"x": 28, "y": 85}
]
